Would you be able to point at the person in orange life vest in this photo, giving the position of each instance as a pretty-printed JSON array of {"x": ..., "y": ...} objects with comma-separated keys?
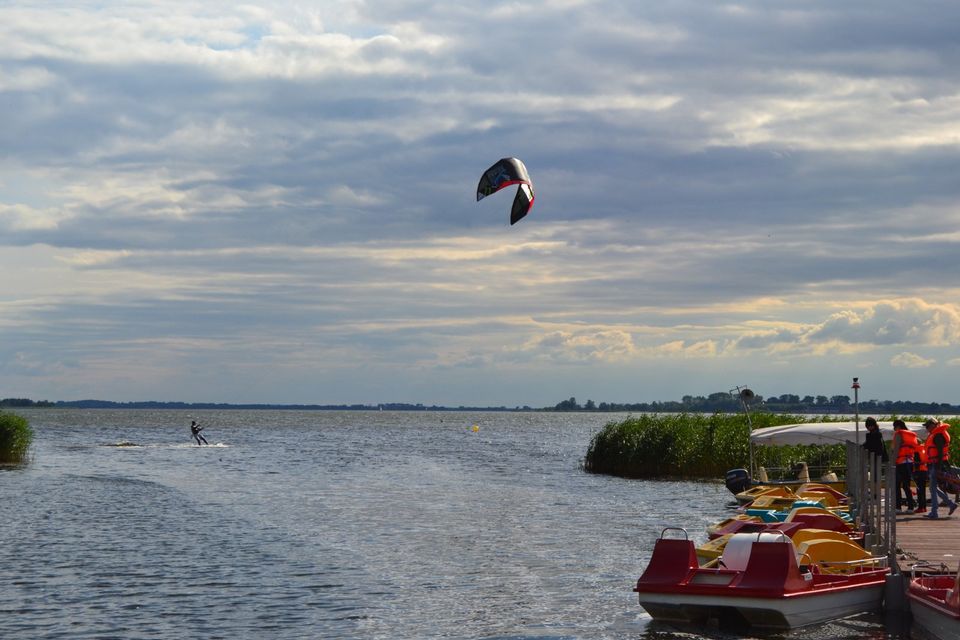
[
  {"x": 905, "y": 444},
  {"x": 920, "y": 476},
  {"x": 938, "y": 455}
]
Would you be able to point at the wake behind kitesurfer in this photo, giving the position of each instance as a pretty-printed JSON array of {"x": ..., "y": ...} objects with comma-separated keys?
[{"x": 195, "y": 429}]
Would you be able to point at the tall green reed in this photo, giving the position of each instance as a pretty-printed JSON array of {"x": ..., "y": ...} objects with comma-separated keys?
[
  {"x": 15, "y": 438},
  {"x": 694, "y": 445}
]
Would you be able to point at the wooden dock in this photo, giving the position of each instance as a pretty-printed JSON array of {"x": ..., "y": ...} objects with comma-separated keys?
[{"x": 926, "y": 540}]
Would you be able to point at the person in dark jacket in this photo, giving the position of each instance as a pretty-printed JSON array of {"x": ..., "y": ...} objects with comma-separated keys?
[{"x": 874, "y": 440}]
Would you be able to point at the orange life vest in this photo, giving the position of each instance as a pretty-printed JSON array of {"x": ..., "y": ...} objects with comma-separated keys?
[
  {"x": 933, "y": 453},
  {"x": 920, "y": 457},
  {"x": 908, "y": 445}
]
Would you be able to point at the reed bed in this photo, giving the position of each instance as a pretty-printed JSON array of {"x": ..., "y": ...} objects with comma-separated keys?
[
  {"x": 15, "y": 438},
  {"x": 694, "y": 445}
]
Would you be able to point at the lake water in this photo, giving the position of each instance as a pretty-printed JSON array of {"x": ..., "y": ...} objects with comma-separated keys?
[{"x": 335, "y": 525}]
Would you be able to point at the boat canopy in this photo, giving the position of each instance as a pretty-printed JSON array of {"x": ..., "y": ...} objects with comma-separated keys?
[{"x": 824, "y": 433}]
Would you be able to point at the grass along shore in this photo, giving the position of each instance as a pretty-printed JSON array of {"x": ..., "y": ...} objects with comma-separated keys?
[
  {"x": 15, "y": 438},
  {"x": 700, "y": 446}
]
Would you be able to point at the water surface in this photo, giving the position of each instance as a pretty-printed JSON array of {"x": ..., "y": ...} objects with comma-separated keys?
[{"x": 335, "y": 525}]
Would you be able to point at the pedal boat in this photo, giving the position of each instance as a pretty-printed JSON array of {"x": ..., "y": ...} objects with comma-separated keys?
[
  {"x": 810, "y": 518},
  {"x": 759, "y": 584},
  {"x": 807, "y": 540},
  {"x": 935, "y": 604}
]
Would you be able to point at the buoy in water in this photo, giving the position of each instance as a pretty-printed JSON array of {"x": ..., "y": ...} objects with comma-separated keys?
[{"x": 476, "y": 428}]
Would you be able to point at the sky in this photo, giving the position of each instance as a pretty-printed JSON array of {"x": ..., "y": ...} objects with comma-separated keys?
[{"x": 275, "y": 202}]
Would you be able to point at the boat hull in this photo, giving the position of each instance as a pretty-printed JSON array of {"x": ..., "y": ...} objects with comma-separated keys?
[
  {"x": 936, "y": 624},
  {"x": 759, "y": 584},
  {"x": 929, "y": 607},
  {"x": 787, "y": 612}
]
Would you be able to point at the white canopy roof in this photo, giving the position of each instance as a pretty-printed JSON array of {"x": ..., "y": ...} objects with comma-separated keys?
[{"x": 824, "y": 433}]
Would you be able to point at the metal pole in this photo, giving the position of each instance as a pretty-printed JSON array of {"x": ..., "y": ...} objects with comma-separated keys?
[
  {"x": 858, "y": 457},
  {"x": 856, "y": 406},
  {"x": 888, "y": 510},
  {"x": 744, "y": 394}
]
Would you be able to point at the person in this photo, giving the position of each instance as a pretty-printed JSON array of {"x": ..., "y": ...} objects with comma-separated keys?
[
  {"x": 195, "y": 429},
  {"x": 938, "y": 456},
  {"x": 874, "y": 440},
  {"x": 920, "y": 472},
  {"x": 905, "y": 442}
]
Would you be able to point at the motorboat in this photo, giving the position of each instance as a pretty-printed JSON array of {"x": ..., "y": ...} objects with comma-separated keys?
[
  {"x": 827, "y": 494},
  {"x": 746, "y": 488},
  {"x": 934, "y": 598},
  {"x": 761, "y": 581}
]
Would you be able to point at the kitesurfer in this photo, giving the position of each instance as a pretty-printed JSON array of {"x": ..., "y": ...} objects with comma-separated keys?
[
  {"x": 195, "y": 429},
  {"x": 938, "y": 457}
]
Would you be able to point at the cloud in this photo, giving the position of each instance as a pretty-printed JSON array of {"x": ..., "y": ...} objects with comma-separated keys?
[
  {"x": 911, "y": 361},
  {"x": 18, "y": 218},
  {"x": 682, "y": 349},
  {"x": 895, "y": 322},
  {"x": 211, "y": 187},
  {"x": 910, "y": 321},
  {"x": 584, "y": 346}
]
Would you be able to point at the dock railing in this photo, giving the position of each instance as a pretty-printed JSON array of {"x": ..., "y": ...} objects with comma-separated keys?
[{"x": 872, "y": 488}]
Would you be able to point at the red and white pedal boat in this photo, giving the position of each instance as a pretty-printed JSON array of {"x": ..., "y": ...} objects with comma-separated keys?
[
  {"x": 761, "y": 584},
  {"x": 935, "y": 603}
]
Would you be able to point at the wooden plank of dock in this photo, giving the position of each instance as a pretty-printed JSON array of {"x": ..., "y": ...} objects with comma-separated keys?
[{"x": 926, "y": 540}]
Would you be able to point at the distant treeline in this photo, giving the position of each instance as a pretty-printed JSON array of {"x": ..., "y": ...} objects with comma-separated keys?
[
  {"x": 726, "y": 402},
  {"x": 722, "y": 401},
  {"x": 155, "y": 404}
]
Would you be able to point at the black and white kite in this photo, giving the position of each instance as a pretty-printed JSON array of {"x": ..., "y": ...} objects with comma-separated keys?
[{"x": 506, "y": 172}]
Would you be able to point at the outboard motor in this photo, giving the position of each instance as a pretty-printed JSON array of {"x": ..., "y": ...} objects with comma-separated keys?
[{"x": 737, "y": 480}]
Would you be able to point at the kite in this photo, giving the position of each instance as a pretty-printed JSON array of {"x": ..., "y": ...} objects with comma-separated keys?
[{"x": 503, "y": 173}]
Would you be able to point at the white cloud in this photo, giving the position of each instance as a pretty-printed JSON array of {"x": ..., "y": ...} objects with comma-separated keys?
[
  {"x": 911, "y": 361},
  {"x": 908, "y": 321},
  {"x": 583, "y": 346},
  {"x": 682, "y": 349},
  {"x": 18, "y": 217}
]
